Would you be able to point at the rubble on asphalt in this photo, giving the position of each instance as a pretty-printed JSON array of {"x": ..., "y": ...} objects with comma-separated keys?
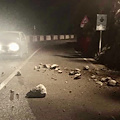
[
  {"x": 54, "y": 66},
  {"x": 47, "y": 66},
  {"x": 59, "y": 71},
  {"x": 77, "y": 76},
  {"x": 86, "y": 67},
  {"x": 18, "y": 73},
  {"x": 93, "y": 77},
  {"x": 37, "y": 92},
  {"x": 75, "y": 71},
  {"x": 112, "y": 82},
  {"x": 35, "y": 67},
  {"x": 99, "y": 83}
]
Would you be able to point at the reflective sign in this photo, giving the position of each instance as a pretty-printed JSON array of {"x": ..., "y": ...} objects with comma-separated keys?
[
  {"x": 84, "y": 21},
  {"x": 101, "y": 22}
]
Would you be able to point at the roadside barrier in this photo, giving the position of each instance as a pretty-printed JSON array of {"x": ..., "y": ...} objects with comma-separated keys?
[{"x": 37, "y": 38}]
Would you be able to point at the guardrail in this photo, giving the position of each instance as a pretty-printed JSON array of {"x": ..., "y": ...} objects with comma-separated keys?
[{"x": 37, "y": 38}]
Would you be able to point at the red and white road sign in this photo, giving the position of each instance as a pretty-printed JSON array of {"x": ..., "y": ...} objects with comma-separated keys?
[{"x": 84, "y": 21}]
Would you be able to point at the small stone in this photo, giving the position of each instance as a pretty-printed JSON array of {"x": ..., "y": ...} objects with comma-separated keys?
[
  {"x": 46, "y": 66},
  {"x": 77, "y": 76},
  {"x": 18, "y": 73},
  {"x": 70, "y": 91},
  {"x": 54, "y": 66},
  {"x": 103, "y": 79},
  {"x": 56, "y": 69},
  {"x": 64, "y": 110},
  {"x": 112, "y": 83},
  {"x": 38, "y": 70},
  {"x": 17, "y": 95},
  {"x": 99, "y": 83},
  {"x": 35, "y": 68},
  {"x": 40, "y": 64},
  {"x": 59, "y": 71},
  {"x": 38, "y": 67},
  {"x": 93, "y": 76},
  {"x": 95, "y": 80},
  {"x": 37, "y": 92},
  {"x": 66, "y": 82},
  {"x": 2, "y": 74},
  {"x": 108, "y": 78},
  {"x": 71, "y": 73},
  {"x": 11, "y": 91},
  {"x": 77, "y": 69},
  {"x": 86, "y": 67}
]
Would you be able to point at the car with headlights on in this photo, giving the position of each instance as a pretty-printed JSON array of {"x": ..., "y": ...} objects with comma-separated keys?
[{"x": 13, "y": 43}]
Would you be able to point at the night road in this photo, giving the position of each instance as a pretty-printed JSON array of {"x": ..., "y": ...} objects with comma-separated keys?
[{"x": 67, "y": 98}]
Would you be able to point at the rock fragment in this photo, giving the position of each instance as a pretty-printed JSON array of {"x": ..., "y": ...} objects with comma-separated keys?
[
  {"x": 86, "y": 67},
  {"x": 112, "y": 82},
  {"x": 93, "y": 76},
  {"x": 18, "y": 73},
  {"x": 59, "y": 71},
  {"x": 54, "y": 66},
  {"x": 71, "y": 73},
  {"x": 99, "y": 83},
  {"x": 37, "y": 92},
  {"x": 103, "y": 79},
  {"x": 77, "y": 76},
  {"x": 35, "y": 67},
  {"x": 46, "y": 66}
]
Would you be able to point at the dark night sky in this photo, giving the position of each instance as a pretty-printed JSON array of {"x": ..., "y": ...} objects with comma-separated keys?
[{"x": 49, "y": 16}]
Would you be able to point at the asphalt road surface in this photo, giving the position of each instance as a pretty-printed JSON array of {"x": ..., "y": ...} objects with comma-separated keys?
[{"x": 66, "y": 99}]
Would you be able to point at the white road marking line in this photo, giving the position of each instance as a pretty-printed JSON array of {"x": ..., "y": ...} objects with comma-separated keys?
[{"x": 5, "y": 82}]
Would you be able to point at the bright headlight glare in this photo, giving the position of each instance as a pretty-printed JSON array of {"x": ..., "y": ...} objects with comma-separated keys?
[{"x": 13, "y": 47}]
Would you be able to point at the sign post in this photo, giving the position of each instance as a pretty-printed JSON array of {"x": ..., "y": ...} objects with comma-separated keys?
[{"x": 101, "y": 26}]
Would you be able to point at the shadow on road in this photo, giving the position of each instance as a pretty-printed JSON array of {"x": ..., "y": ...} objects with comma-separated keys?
[{"x": 48, "y": 110}]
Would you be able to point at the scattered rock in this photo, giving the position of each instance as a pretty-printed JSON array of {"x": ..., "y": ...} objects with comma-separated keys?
[
  {"x": 11, "y": 91},
  {"x": 112, "y": 82},
  {"x": 95, "y": 80},
  {"x": 38, "y": 67},
  {"x": 46, "y": 66},
  {"x": 70, "y": 91},
  {"x": 66, "y": 82},
  {"x": 37, "y": 92},
  {"x": 54, "y": 66},
  {"x": 72, "y": 73},
  {"x": 77, "y": 76},
  {"x": 54, "y": 78},
  {"x": 108, "y": 78},
  {"x": 59, "y": 71},
  {"x": 2, "y": 74},
  {"x": 56, "y": 69},
  {"x": 17, "y": 95},
  {"x": 35, "y": 68},
  {"x": 77, "y": 70},
  {"x": 93, "y": 76},
  {"x": 99, "y": 83},
  {"x": 18, "y": 73},
  {"x": 103, "y": 79},
  {"x": 86, "y": 67}
]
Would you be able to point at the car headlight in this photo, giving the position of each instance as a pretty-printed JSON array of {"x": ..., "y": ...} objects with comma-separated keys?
[{"x": 14, "y": 47}]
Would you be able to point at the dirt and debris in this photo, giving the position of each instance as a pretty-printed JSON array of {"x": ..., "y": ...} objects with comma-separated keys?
[
  {"x": 86, "y": 67},
  {"x": 38, "y": 92},
  {"x": 53, "y": 66},
  {"x": 77, "y": 76},
  {"x": 112, "y": 82},
  {"x": 99, "y": 83},
  {"x": 18, "y": 73}
]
